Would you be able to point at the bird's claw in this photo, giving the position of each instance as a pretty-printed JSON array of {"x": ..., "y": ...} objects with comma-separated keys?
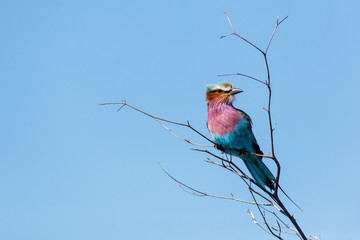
[
  {"x": 242, "y": 152},
  {"x": 220, "y": 148}
]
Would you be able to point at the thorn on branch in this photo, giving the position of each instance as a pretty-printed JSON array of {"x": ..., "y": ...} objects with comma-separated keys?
[
  {"x": 282, "y": 20},
  {"x": 226, "y": 35}
]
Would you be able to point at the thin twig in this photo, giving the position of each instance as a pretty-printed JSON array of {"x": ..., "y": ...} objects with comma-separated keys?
[
  {"x": 204, "y": 194},
  {"x": 263, "y": 216},
  {"x": 234, "y": 33},
  {"x": 182, "y": 139},
  {"x": 261, "y": 155},
  {"x": 279, "y": 228},
  {"x": 241, "y": 74},
  {"x": 244, "y": 177},
  {"x": 273, "y": 213},
  {"x": 272, "y": 35},
  {"x": 123, "y": 103},
  {"x": 257, "y": 223}
]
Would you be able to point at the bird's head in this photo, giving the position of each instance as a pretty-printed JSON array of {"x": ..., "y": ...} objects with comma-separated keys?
[{"x": 221, "y": 93}]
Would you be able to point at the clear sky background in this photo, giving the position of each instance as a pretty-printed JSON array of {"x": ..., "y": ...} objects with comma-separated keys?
[{"x": 71, "y": 169}]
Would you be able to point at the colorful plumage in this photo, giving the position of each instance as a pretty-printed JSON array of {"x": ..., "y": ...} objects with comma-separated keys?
[{"x": 231, "y": 129}]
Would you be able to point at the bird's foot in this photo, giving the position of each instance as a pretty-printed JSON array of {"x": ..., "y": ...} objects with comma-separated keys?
[
  {"x": 219, "y": 147},
  {"x": 242, "y": 152}
]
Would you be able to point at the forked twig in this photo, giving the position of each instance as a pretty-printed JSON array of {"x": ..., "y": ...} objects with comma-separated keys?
[
  {"x": 272, "y": 35},
  {"x": 198, "y": 193},
  {"x": 124, "y": 103},
  {"x": 257, "y": 223},
  {"x": 234, "y": 33}
]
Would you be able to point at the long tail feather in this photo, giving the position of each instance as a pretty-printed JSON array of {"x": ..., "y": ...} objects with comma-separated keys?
[
  {"x": 262, "y": 175},
  {"x": 259, "y": 171},
  {"x": 290, "y": 199}
]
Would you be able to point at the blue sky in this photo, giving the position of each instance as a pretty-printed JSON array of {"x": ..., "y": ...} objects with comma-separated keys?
[{"x": 71, "y": 169}]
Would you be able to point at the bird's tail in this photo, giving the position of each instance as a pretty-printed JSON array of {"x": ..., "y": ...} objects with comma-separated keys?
[
  {"x": 262, "y": 174},
  {"x": 259, "y": 171}
]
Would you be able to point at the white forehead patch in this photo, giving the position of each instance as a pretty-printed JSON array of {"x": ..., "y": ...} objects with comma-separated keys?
[{"x": 221, "y": 86}]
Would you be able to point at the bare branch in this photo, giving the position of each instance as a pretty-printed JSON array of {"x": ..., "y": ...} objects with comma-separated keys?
[
  {"x": 227, "y": 16},
  {"x": 234, "y": 33},
  {"x": 244, "y": 177},
  {"x": 273, "y": 213},
  {"x": 257, "y": 223},
  {"x": 261, "y": 155},
  {"x": 272, "y": 35},
  {"x": 263, "y": 216},
  {"x": 293, "y": 231},
  {"x": 198, "y": 193},
  {"x": 182, "y": 139},
  {"x": 244, "y": 75},
  {"x": 123, "y": 103},
  {"x": 274, "y": 127},
  {"x": 279, "y": 228}
]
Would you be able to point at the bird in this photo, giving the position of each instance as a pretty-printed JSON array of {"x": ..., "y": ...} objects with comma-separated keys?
[{"x": 231, "y": 130}]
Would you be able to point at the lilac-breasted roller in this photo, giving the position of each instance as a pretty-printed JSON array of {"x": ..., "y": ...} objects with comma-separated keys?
[{"x": 231, "y": 129}]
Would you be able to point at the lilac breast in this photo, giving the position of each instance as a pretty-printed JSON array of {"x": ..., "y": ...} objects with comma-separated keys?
[{"x": 222, "y": 118}]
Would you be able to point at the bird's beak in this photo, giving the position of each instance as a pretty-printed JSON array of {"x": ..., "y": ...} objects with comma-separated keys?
[{"x": 235, "y": 91}]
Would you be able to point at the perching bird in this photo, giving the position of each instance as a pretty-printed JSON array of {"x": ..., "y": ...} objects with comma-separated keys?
[{"x": 231, "y": 130}]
